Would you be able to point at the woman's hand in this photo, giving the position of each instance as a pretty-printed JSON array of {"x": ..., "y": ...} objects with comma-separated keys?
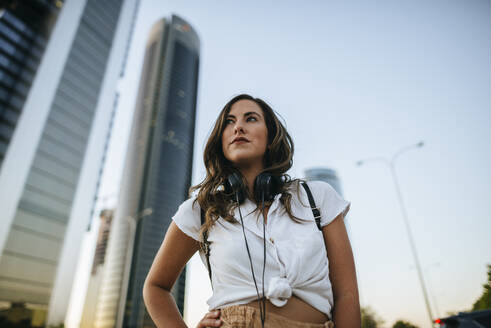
[{"x": 211, "y": 319}]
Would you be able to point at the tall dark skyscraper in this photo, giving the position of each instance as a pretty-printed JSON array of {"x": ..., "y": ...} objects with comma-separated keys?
[
  {"x": 157, "y": 173},
  {"x": 60, "y": 62}
]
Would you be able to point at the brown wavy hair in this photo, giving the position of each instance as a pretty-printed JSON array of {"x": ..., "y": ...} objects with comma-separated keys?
[{"x": 277, "y": 160}]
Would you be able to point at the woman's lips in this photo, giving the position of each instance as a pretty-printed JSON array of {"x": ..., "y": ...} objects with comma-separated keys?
[{"x": 241, "y": 140}]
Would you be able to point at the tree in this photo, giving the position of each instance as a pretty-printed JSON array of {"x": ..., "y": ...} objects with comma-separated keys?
[
  {"x": 484, "y": 302},
  {"x": 403, "y": 324},
  {"x": 369, "y": 318}
]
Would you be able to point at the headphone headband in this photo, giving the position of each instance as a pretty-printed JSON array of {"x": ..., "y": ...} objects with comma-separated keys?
[{"x": 265, "y": 183}]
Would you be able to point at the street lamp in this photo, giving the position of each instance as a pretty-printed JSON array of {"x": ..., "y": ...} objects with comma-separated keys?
[
  {"x": 404, "y": 215},
  {"x": 431, "y": 291},
  {"x": 132, "y": 220},
  {"x": 431, "y": 287}
]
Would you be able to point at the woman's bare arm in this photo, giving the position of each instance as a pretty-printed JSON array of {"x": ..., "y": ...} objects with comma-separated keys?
[
  {"x": 342, "y": 273},
  {"x": 175, "y": 251}
]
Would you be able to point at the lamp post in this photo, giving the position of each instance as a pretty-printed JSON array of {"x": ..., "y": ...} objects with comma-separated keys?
[
  {"x": 132, "y": 221},
  {"x": 404, "y": 215},
  {"x": 431, "y": 287}
]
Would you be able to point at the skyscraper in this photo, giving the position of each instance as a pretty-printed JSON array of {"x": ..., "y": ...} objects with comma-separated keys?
[
  {"x": 25, "y": 27},
  {"x": 53, "y": 153},
  {"x": 157, "y": 173}
]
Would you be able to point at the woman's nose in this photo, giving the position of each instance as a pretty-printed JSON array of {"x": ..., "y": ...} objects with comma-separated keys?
[{"x": 238, "y": 127}]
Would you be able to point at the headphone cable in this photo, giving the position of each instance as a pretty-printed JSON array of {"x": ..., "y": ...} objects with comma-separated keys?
[
  {"x": 262, "y": 305},
  {"x": 264, "y": 257}
]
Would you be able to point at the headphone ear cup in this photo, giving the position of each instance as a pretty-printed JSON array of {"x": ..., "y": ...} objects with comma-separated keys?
[
  {"x": 234, "y": 185},
  {"x": 267, "y": 183}
]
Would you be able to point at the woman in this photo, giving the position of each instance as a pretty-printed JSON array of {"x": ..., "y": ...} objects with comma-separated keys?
[{"x": 274, "y": 266}]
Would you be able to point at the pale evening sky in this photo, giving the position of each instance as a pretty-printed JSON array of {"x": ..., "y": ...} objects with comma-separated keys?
[{"x": 356, "y": 80}]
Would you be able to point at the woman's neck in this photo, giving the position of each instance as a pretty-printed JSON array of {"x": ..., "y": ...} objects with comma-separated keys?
[{"x": 250, "y": 175}]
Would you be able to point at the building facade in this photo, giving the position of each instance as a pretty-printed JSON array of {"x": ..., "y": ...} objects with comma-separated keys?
[
  {"x": 157, "y": 172},
  {"x": 88, "y": 314},
  {"x": 25, "y": 27},
  {"x": 53, "y": 154}
]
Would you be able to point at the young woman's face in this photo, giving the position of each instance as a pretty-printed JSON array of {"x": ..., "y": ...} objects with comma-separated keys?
[{"x": 245, "y": 120}]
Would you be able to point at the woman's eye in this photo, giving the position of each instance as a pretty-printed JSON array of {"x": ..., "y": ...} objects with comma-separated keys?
[
  {"x": 251, "y": 117},
  {"x": 228, "y": 121}
]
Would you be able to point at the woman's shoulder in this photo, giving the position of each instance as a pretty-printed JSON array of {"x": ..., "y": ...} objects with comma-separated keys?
[
  {"x": 320, "y": 187},
  {"x": 191, "y": 203},
  {"x": 317, "y": 187},
  {"x": 329, "y": 200},
  {"x": 188, "y": 217}
]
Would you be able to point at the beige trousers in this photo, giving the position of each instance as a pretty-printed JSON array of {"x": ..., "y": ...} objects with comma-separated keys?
[{"x": 243, "y": 316}]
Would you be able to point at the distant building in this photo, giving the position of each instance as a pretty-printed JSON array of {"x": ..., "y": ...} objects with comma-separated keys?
[
  {"x": 59, "y": 66},
  {"x": 88, "y": 315},
  {"x": 157, "y": 172},
  {"x": 324, "y": 174},
  {"x": 330, "y": 176}
]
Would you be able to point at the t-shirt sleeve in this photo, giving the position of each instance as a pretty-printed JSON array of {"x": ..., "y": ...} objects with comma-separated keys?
[
  {"x": 188, "y": 218},
  {"x": 331, "y": 203}
]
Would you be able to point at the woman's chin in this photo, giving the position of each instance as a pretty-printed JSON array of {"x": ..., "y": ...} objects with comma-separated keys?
[{"x": 242, "y": 162}]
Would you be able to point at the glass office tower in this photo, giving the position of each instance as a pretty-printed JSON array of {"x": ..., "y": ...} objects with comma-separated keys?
[
  {"x": 157, "y": 173},
  {"x": 25, "y": 27},
  {"x": 72, "y": 54}
]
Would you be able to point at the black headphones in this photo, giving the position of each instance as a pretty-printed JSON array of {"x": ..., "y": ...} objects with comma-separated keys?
[
  {"x": 265, "y": 182},
  {"x": 266, "y": 187}
]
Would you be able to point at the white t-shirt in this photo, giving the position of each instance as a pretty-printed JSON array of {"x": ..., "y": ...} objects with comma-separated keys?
[{"x": 296, "y": 258}]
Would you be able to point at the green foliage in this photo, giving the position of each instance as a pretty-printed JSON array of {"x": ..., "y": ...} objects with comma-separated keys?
[
  {"x": 484, "y": 302},
  {"x": 369, "y": 318},
  {"x": 403, "y": 324}
]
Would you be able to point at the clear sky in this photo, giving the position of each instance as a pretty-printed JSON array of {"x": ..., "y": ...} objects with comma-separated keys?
[{"x": 355, "y": 80}]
